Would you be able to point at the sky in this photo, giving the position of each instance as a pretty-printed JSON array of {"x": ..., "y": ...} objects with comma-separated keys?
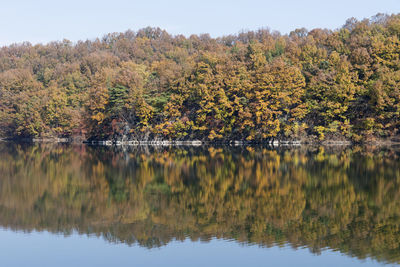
[{"x": 42, "y": 21}]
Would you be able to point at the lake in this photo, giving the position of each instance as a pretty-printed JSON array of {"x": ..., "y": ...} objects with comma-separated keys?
[{"x": 77, "y": 205}]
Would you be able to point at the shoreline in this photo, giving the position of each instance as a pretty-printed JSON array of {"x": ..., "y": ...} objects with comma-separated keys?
[{"x": 273, "y": 143}]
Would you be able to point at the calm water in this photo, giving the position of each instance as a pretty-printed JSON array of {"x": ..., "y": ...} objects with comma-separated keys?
[{"x": 182, "y": 206}]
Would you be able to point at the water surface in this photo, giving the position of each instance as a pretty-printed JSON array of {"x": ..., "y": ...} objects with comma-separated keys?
[{"x": 179, "y": 206}]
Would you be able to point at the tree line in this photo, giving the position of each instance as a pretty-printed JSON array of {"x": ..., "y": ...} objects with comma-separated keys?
[{"x": 260, "y": 85}]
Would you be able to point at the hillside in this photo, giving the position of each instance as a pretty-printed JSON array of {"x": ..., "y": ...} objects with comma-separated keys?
[{"x": 260, "y": 85}]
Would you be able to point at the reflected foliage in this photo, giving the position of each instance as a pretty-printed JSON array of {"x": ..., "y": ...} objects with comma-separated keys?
[{"x": 345, "y": 200}]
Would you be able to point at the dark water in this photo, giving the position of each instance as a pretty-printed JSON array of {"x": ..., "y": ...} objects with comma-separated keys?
[{"x": 144, "y": 206}]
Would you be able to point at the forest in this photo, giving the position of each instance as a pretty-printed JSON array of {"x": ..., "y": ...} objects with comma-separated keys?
[{"x": 319, "y": 84}]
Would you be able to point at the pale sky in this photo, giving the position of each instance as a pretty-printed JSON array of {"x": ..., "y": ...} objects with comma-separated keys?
[{"x": 41, "y": 21}]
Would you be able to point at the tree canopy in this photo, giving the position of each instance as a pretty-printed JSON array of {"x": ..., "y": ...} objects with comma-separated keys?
[{"x": 256, "y": 85}]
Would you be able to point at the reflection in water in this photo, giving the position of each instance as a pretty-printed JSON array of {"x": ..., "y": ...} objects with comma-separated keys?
[{"x": 346, "y": 200}]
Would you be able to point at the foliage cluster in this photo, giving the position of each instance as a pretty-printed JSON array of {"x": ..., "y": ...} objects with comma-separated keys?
[{"x": 257, "y": 85}]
